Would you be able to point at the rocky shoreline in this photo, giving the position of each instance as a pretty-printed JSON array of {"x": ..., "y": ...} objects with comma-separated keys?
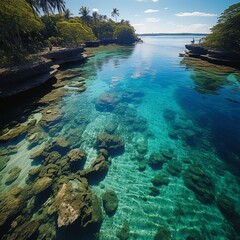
[
  {"x": 220, "y": 57},
  {"x": 19, "y": 79}
]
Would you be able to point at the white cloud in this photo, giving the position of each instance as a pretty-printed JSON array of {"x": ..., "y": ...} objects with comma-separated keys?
[
  {"x": 151, "y": 10},
  {"x": 155, "y": 0},
  {"x": 195, "y": 14},
  {"x": 192, "y": 28},
  {"x": 166, "y": 8},
  {"x": 137, "y": 24},
  {"x": 152, "y": 20},
  {"x": 95, "y": 9},
  {"x": 136, "y": 15}
]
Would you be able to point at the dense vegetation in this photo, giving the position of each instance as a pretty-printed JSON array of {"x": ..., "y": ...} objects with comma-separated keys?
[
  {"x": 226, "y": 34},
  {"x": 30, "y": 25}
]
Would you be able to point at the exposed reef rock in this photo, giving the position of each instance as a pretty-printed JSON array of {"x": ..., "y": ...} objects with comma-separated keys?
[
  {"x": 110, "y": 202},
  {"x": 113, "y": 144},
  {"x": 78, "y": 206},
  {"x": 220, "y": 57},
  {"x": 196, "y": 179},
  {"x": 66, "y": 55}
]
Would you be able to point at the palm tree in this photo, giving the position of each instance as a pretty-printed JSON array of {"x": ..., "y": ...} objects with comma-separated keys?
[
  {"x": 67, "y": 14},
  {"x": 34, "y": 4},
  {"x": 95, "y": 17},
  {"x": 59, "y": 5},
  {"x": 46, "y": 6},
  {"x": 84, "y": 11},
  {"x": 115, "y": 13}
]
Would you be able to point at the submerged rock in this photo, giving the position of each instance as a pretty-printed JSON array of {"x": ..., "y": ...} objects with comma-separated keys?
[
  {"x": 107, "y": 102},
  {"x": 76, "y": 157},
  {"x": 13, "y": 175},
  {"x": 11, "y": 204},
  {"x": 113, "y": 144},
  {"x": 168, "y": 154},
  {"x": 110, "y": 202},
  {"x": 174, "y": 168},
  {"x": 42, "y": 184},
  {"x": 228, "y": 208},
  {"x": 156, "y": 161},
  {"x": 27, "y": 230},
  {"x": 14, "y": 133},
  {"x": 79, "y": 206},
  {"x": 160, "y": 180},
  {"x": 163, "y": 233},
  {"x": 98, "y": 169},
  {"x": 154, "y": 191},
  {"x": 196, "y": 179},
  {"x": 3, "y": 162},
  {"x": 124, "y": 232}
]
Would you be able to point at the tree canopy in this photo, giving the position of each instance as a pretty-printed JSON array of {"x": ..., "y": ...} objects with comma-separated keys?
[{"x": 226, "y": 34}]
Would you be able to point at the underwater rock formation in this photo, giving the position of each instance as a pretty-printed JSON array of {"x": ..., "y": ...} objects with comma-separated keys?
[
  {"x": 13, "y": 175},
  {"x": 156, "y": 161},
  {"x": 113, "y": 144},
  {"x": 124, "y": 232},
  {"x": 160, "y": 179},
  {"x": 163, "y": 233},
  {"x": 42, "y": 184},
  {"x": 110, "y": 202},
  {"x": 11, "y": 204},
  {"x": 196, "y": 179},
  {"x": 107, "y": 102},
  {"x": 174, "y": 168},
  {"x": 78, "y": 206}
]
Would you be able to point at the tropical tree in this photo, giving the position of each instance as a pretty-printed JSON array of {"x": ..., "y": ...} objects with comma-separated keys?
[
  {"x": 84, "y": 12},
  {"x": 59, "y": 5},
  {"x": 95, "y": 17},
  {"x": 226, "y": 34},
  {"x": 115, "y": 13},
  {"x": 67, "y": 14},
  {"x": 14, "y": 26},
  {"x": 125, "y": 34},
  {"x": 74, "y": 33}
]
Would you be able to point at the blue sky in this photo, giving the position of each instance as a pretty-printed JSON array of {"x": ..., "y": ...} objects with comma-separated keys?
[{"x": 160, "y": 16}]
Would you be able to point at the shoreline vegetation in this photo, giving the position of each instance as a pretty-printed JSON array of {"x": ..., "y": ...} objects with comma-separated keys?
[
  {"x": 28, "y": 49},
  {"x": 222, "y": 45}
]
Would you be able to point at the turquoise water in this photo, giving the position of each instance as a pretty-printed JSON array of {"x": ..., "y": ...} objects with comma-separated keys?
[{"x": 185, "y": 110}]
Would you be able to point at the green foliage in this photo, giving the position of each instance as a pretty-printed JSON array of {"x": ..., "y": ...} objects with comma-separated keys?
[
  {"x": 226, "y": 34},
  {"x": 103, "y": 30},
  {"x": 125, "y": 34},
  {"x": 17, "y": 21},
  {"x": 74, "y": 33}
]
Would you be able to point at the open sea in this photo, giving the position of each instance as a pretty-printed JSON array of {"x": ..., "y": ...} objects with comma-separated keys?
[{"x": 179, "y": 175}]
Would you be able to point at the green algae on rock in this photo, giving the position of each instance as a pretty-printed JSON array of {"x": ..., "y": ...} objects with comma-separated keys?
[
  {"x": 78, "y": 205},
  {"x": 42, "y": 184}
]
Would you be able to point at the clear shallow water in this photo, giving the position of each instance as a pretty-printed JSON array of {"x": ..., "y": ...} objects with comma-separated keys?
[{"x": 187, "y": 106}]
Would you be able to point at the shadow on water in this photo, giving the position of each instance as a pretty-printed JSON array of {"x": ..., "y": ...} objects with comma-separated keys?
[
  {"x": 209, "y": 106},
  {"x": 20, "y": 106}
]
